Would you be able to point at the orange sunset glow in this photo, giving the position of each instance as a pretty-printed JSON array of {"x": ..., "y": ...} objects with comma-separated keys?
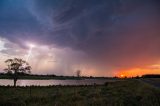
[{"x": 137, "y": 72}]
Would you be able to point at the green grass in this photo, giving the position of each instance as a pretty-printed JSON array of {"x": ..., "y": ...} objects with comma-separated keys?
[{"x": 121, "y": 93}]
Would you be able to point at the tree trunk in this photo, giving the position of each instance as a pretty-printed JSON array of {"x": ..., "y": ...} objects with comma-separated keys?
[{"x": 15, "y": 80}]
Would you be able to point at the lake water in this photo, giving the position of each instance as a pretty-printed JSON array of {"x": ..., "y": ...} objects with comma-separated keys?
[{"x": 6, "y": 82}]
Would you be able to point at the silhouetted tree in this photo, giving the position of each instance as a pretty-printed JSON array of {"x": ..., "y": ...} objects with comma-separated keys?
[
  {"x": 16, "y": 66},
  {"x": 78, "y": 72}
]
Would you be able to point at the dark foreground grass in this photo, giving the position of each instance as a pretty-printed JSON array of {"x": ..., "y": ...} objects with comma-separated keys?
[{"x": 121, "y": 93}]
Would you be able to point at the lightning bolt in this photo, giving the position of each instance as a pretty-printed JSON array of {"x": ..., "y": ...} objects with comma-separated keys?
[{"x": 29, "y": 53}]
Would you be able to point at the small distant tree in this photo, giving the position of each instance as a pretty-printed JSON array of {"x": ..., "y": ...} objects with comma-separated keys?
[
  {"x": 15, "y": 67},
  {"x": 78, "y": 72}
]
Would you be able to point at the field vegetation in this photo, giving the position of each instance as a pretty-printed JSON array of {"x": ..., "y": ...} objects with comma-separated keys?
[{"x": 130, "y": 92}]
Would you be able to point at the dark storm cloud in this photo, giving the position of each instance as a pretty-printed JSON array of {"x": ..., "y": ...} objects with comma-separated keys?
[
  {"x": 16, "y": 22},
  {"x": 114, "y": 32}
]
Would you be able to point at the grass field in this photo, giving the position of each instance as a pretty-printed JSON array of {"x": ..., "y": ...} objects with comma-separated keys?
[{"x": 121, "y": 93}]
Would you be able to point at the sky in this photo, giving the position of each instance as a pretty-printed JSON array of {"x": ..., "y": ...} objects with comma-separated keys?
[{"x": 98, "y": 37}]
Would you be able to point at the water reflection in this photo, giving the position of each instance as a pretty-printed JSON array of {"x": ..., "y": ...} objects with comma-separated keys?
[{"x": 54, "y": 82}]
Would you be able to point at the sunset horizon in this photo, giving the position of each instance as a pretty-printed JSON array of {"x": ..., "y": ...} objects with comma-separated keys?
[
  {"x": 99, "y": 38},
  {"x": 79, "y": 52}
]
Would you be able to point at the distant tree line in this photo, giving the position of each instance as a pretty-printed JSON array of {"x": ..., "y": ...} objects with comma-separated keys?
[{"x": 151, "y": 76}]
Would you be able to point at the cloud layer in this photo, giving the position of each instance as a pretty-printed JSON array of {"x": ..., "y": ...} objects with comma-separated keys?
[{"x": 113, "y": 34}]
